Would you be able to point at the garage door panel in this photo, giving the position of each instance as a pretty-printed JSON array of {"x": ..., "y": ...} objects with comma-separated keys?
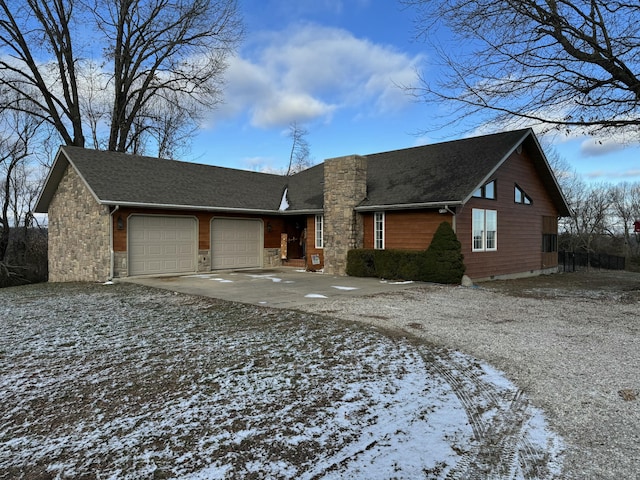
[
  {"x": 236, "y": 243},
  {"x": 159, "y": 244}
]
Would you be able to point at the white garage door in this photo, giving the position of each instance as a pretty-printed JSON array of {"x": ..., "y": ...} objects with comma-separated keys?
[
  {"x": 159, "y": 244},
  {"x": 236, "y": 243}
]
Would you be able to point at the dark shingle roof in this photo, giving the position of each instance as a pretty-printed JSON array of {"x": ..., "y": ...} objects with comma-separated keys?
[
  {"x": 306, "y": 190},
  {"x": 443, "y": 173},
  {"x": 119, "y": 178},
  {"x": 439, "y": 173}
]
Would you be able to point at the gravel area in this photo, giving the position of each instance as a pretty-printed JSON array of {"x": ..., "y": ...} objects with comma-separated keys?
[{"x": 573, "y": 349}]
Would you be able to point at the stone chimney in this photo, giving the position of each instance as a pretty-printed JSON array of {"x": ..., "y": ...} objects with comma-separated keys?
[{"x": 345, "y": 186}]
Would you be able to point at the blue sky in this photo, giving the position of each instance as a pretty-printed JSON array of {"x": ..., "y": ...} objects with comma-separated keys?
[{"x": 337, "y": 67}]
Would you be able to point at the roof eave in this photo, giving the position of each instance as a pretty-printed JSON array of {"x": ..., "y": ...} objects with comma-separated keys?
[
  {"x": 303, "y": 211},
  {"x": 209, "y": 208},
  {"x": 564, "y": 210},
  {"x": 504, "y": 158},
  {"x": 56, "y": 172},
  {"x": 60, "y": 164},
  {"x": 169, "y": 206},
  {"x": 408, "y": 206}
]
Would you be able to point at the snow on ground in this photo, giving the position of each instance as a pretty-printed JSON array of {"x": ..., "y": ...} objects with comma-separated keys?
[{"x": 124, "y": 382}]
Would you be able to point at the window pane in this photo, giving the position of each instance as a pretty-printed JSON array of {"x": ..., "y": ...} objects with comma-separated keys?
[
  {"x": 478, "y": 193},
  {"x": 490, "y": 190},
  {"x": 518, "y": 195},
  {"x": 319, "y": 232},
  {"x": 549, "y": 242},
  {"x": 478, "y": 229},
  {"x": 378, "y": 230},
  {"x": 491, "y": 217}
]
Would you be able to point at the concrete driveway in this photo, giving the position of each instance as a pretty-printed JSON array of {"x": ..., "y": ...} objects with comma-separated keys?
[{"x": 281, "y": 287}]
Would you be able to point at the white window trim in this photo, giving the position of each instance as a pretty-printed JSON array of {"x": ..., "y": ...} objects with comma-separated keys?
[
  {"x": 319, "y": 231},
  {"x": 379, "y": 218},
  {"x": 483, "y": 248}
]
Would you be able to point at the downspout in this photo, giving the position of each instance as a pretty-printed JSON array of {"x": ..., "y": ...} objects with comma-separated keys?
[
  {"x": 453, "y": 216},
  {"x": 112, "y": 262}
]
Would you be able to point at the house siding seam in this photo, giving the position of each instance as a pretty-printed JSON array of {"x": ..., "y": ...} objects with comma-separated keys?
[
  {"x": 345, "y": 186},
  {"x": 79, "y": 248}
]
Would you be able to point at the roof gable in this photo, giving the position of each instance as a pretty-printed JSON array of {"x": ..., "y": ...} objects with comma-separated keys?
[
  {"x": 123, "y": 179},
  {"x": 447, "y": 172}
]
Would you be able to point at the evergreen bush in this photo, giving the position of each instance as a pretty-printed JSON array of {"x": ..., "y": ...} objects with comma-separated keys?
[
  {"x": 442, "y": 262},
  {"x": 444, "y": 259}
]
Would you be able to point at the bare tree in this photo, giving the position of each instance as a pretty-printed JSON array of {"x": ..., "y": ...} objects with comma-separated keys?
[
  {"x": 160, "y": 48},
  {"x": 30, "y": 32},
  {"x": 591, "y": 216},
  {"x": 299, "y": 156},
  {"x": 15, "y": 148},
  {"x": 149, "y": 50},
  {"x": 565, "y": 63},
  {"x": 626, "y": 209}
]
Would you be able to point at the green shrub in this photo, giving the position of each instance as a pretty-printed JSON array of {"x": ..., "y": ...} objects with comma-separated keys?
[
  {"x": 442, "y": 262},
  {"x": 360, "y": 263},
  {"x": 444, "y": 259}
]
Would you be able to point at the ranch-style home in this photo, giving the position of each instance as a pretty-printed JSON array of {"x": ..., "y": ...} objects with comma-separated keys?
[{"x": 114, "y": 215}]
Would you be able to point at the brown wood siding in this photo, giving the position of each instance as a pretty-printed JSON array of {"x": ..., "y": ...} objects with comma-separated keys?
[
  {"x": 367, "y": 224},
  {"x": 520, "y": 226},
  {"x": 550, "y": 225},
  {"x": 405, "y": 230},
  {"x": 271, "y": 239}
]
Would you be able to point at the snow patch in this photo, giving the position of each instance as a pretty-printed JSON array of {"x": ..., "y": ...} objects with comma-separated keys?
[
  {"x": 150, "y": 384},
  {"x": 221, "y": 280},
  {"x": 266, "y": 276}
]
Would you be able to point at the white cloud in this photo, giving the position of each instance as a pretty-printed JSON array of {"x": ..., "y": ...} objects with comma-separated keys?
[
  {"x": 283, "y": 108},
  {"x": 617, "y": 175},
  {"x": 605, "y": 144},
  {"x": 309, "y": 71}
]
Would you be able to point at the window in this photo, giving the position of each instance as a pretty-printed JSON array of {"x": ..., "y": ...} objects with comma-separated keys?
[
  {"x": 521, "y": 197},
  {"x": 484, "y": 230},
  {"x": 319, "y": 231},
  {"x": 488, "y": 190},
  {"x": 549, "y": 242},
  {"x": 378, "y": 230}
]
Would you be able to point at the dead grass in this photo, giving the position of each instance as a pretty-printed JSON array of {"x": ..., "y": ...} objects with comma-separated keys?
[
  {"x": 614, "y": 285},
  {"x": 126, "y": 382}
]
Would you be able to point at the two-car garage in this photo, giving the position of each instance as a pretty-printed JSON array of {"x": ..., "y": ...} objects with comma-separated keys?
[{"x": 160, "y": 244}]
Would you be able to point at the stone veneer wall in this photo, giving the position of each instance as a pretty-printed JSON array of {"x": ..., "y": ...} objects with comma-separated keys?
[
  {"x": 79, "y": 248},
  {"x": 120, "y": 268},
  {"x": 271, "y": 258},
  {"x": 345, "y": 186}
]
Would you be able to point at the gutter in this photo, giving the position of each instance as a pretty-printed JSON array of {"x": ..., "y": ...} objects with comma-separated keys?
[
  {"x": 254, "y": 211},
  {"x": 446, "y": 209},
  {"x": 409, "y": 206},
  {"x": 187, "y": 207}
]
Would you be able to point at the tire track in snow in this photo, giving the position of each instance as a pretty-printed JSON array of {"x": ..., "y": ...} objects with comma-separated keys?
[{"x": 498, "y": 416}]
